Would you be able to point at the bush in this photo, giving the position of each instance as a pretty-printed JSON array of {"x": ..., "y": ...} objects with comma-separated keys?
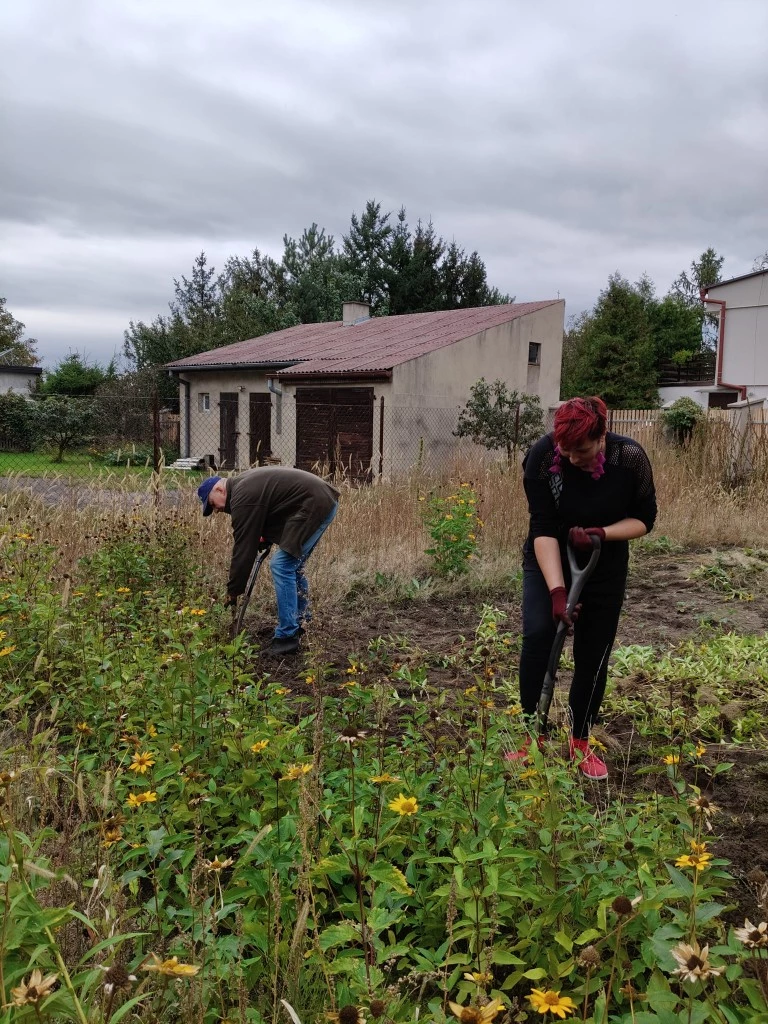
[
  {"x": 681, "y": 419},
  {"x": 17, "y": 423},
  {"x": 453, "y": 525}
]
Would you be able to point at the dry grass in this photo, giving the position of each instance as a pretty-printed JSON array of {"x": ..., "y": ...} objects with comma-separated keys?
[{"x": 378, "y": 540}]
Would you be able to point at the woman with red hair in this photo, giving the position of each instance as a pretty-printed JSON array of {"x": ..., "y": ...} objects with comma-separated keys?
[{"x": 581, "y": 481}]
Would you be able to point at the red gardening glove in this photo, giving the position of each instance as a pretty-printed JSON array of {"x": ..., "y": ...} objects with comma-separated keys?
[
  {"x": 580, "y": 538},
  {"x": 559, "y": 596}
]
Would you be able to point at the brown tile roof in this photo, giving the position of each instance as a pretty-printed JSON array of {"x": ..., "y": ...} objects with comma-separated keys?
[{"x": 376, "y": 344}]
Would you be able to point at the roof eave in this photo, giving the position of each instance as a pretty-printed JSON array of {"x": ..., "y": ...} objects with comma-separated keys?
[
  {"x": 334, "y": 376},
  {"x": 250, "y": 365}
]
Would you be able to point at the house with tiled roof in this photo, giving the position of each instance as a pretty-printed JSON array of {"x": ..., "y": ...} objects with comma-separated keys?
[{"x": 364, "y": 395}]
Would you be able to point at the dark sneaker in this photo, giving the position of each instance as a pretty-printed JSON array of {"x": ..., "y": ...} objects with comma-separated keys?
[{"x": 283, "y": 645}]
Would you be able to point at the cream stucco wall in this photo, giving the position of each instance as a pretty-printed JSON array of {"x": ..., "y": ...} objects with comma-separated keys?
[
  {"x": 428, "y": 392},
  {"x": 745, "y": 355},
  {"x": 204, "y": 426}
]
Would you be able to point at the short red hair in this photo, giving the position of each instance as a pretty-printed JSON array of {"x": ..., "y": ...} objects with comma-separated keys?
[{"x": 579, "y": 420}]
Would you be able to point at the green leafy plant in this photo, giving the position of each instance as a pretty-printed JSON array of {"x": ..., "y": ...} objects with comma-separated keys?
[
  {"x": 681, "y": 419},
  {"x": 453, "y": 525}
]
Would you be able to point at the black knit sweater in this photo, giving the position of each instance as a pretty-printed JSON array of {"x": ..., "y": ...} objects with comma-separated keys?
[{"x": 625, "y": 490}]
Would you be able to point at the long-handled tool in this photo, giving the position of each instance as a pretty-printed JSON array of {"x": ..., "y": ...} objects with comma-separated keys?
[
  {"x": 249, "y": 590},
  {"x": 578, "y": 579}
]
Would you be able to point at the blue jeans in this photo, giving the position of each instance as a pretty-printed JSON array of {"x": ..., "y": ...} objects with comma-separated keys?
[{"x": 291, "y": 584}]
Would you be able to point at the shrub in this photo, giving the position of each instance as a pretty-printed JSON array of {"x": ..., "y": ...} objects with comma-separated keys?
[
  {"x": 680, "y": 420},
  {"x": 497, "y": 418},
  {"x": 17, "y": 423}
]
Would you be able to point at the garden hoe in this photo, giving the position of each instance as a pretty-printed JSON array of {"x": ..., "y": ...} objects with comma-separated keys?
[
  {"x": 238, "y": 620},
  {"x": 578, "y": 579}
]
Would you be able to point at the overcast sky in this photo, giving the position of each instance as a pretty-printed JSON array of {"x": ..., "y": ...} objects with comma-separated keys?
[{"x": 561, "y": 140}]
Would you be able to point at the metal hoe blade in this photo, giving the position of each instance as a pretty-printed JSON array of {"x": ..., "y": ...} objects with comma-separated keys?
[{"x": 579, "y": 578}]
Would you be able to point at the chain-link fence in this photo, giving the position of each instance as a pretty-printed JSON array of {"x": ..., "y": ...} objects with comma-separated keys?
[{"x": 346, "y": 434}]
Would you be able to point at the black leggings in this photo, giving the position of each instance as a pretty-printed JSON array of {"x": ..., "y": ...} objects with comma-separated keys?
[{"x": 593, "y": 638}]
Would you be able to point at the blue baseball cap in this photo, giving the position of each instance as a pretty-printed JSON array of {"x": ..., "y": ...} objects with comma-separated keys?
[{"x": 204, "y": 490}]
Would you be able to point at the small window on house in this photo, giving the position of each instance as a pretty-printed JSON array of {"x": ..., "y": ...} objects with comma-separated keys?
[
  {"x": 534, "y": 353},
  {"x": 204, "y": 402}
]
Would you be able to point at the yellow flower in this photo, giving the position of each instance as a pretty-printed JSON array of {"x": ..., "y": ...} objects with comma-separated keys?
[
  {"x": 551, "y": 1002},
  {"x": 529, "y": 773},
  {"x": 3, "y": 634},
  {"x": 449, "y": 516},
  {"x": 172, "y": 968},
  {"x": 218, "y": 865},
  {"x": 349, "y": 683},
  {"x": 137, "y": 799},
  {"x": 23, "y": 536},
  {"x": 479, "y": 977},
  {"x": 197, "y": 611},
  {"x": 697, "y": 861},
  {"x": 141, "y": 763},
  {"x": 471, "y": 536},
  {"x": 671, "y": 759},
  {"x": 700, "y": 750},
  {"x": 404, "y": 805},
  {"x": 176, "y": 748},
  {"x": 295, "y": 771},
  {"x": 259, "y": 746},
  {"x": 514, "y": 710},
  {"x": 477, "y": 1014},
  {"x": 352, "y": 670},
  {"x": 123, "y": 590},
  {"x": 697, "y": 847},
  {"x": 470, "y": 689},
  {"x": 99, "y": 594},
  {"x": 151, "y": 731},
  {"x": 34, "y": 990},
  {"x": 702, "y": 805},
  {"x": 111, "y": 837},
  {"x": 7, "y": 650},
  {"x": 281, "y": 691},
  {"x": 384, "y": 778},
  {"x": 309, "y": 680},
  {"x": 83, "y": 728}
]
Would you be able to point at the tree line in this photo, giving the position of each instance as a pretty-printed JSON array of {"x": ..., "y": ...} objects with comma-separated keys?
[
  {"x": 380, "y": 261},
  {"x": 615, "y": 350}
]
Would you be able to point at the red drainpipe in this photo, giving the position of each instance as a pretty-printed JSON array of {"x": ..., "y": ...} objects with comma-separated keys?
[{"x": 741, "y": 388}]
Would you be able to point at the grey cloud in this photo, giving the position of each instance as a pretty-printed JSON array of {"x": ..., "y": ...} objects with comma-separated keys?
[{"x": 558, "y": 141}]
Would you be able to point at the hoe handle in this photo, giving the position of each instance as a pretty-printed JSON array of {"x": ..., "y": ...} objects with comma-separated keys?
[
  {"x": 579, "y": 578},
  {"x": 248, "y": 591}
]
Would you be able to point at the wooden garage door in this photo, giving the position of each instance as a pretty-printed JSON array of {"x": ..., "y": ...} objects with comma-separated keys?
[
  {"x": 260, "y": 435},
  {"x": 334, "y": 431}
]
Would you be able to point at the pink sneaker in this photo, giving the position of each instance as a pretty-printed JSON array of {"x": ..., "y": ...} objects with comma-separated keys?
[
  {"x": 589, "y": 763},
  {"x": 524, "y": 751}
]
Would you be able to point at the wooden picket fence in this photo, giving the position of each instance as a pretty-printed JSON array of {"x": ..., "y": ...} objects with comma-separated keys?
[{"x": 644, "y": 425}]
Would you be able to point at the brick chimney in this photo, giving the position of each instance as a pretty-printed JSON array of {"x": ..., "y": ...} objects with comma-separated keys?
[{"x": 355, "y": 312}]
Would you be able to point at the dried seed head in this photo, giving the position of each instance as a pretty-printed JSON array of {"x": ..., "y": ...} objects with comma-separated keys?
[
  {"x": 590, "y": 957},
  {"x": 757, "y": 876},
  {"x": 350, "y": 1014},
  {"x": 629, "y": 845},
  {"x": 377, "y": 1008},
  {"x": 622, "y": 906}
]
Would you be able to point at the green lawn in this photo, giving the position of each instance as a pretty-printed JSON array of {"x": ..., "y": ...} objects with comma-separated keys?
[{"x": 82, "y": 466}]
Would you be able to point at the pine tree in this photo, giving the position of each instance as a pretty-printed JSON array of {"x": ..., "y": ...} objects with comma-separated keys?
[{"x": 366, "y": 255}]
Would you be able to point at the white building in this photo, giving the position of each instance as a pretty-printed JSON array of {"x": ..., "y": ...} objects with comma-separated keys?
[
  {"x": 740, "y": 369},
  {"x": 21, "y": 380}
]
